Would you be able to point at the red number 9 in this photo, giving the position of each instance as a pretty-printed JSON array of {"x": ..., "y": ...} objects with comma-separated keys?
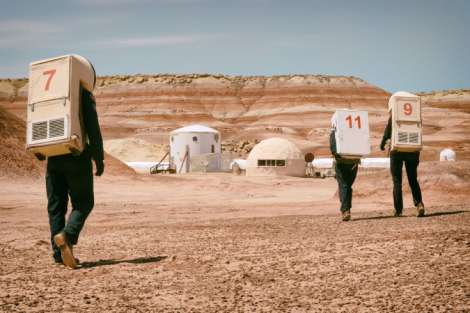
[{"x": 408, "y": 109}]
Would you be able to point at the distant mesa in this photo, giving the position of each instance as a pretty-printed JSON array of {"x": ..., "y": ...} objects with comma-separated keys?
[{"x": 248, "y": 109}]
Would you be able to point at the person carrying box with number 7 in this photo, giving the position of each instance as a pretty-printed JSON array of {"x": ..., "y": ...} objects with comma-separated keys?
[
  {"x": 403, "y": 136},
  {"x": 63, "y": 126}
]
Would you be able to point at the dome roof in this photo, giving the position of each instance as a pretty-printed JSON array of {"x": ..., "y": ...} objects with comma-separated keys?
[
  {"x": 447, "y": 155},
  {"x": 275, "y": 149},
  {"x": 195, "y": 129}
]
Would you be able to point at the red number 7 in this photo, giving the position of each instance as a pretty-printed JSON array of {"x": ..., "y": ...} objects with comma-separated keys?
[{"x": 51, "y": 74}]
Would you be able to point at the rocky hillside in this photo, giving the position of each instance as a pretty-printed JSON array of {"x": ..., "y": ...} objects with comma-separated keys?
[
  {"x": 448, "y": 99},
  {"x": 245, "y": 109},
  {"x": 14, "y": 160}
]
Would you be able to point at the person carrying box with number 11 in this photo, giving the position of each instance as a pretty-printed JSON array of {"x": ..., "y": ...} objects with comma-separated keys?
[{"x": 349, "y": 141}]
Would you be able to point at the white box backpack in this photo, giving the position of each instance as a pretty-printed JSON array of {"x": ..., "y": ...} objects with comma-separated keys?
[
  {"x": 351, "y": 133},
  {"x": 54, "y": 122},
  {"x": 407, "y": 125}
]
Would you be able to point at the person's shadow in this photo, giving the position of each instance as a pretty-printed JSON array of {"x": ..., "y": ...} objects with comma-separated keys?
[
  {"x": 445, "y": 213},
  {"x": 425, "y": 216},
  {"x": 143, "y": 260}
]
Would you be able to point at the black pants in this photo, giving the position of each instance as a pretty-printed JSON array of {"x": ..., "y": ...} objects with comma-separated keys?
[
  {"x": 411, "y": 160},
  {"x": 66, "y": 176},
  {"x": 345, "y": 176}
]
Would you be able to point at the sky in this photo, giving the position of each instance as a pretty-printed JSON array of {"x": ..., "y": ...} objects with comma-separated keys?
[{"x": 414, "y": 45}]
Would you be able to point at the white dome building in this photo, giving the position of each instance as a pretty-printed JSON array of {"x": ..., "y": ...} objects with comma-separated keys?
[
  {"x": 191, "y": 141},
  {"x": 447, "y": 155},
  {"x": 275, "y": 157}
]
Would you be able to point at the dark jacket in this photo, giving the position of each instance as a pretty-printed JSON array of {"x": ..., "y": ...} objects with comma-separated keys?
[
  {"x": 92, "y": 127},
  {"x": 334, "y": 152},
  {"x": 387, "y": 134},
  {"x": 93, "y": 139}
]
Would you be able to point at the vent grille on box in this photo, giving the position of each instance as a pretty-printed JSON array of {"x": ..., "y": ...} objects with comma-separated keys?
[
  {"x": 413, "y": 138},
  {"x": 56, "y": 128},
  {"x": 402, "y": 137},
  {"x": 48, "y": 129},
  {"x": 405, "y": 137},
  {"x": 39, "y": 131}
]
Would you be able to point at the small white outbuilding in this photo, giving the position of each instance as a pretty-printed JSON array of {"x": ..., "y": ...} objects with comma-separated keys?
[
  {"x": 375, "y": 163},
  {"x": 191, "y": 141},
  {"x": 275, "y": 157},
  {"x": 447, "y": 155}
]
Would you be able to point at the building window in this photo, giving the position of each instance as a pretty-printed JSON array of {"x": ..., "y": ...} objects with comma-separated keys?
[
  {"x": 195, "y": 139},
  {"x": 212, "y": 149},
  {"x": 172, "y": 138},
  {"x": 271, "y": 163},
  {"x": 216, "y": 137}
]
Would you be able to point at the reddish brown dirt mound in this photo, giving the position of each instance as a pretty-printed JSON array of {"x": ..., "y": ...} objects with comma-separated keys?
[
  {"x": 436, "y": 178},
  {"x": 115, "y": 167},
  {"x": 14, "y": 160},
  {"x": 446, "y": 177},
  {"x": 245, "y": 109}
]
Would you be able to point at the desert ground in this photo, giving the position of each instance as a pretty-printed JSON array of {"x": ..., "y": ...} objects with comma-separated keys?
[{"x": 226, "y": 243}]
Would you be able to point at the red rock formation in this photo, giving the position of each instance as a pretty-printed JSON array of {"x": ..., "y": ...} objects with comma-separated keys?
[
  {"x": 242, "y": 108},
  {"x": 14, "y": 160},
  {"x": 297, "y": 107}
]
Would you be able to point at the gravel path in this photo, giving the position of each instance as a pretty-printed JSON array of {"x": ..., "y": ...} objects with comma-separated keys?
[{"x": 316, "y": 263}]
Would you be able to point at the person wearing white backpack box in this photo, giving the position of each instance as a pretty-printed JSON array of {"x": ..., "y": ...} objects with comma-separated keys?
[
  {"x": 404, "y": 131},
  {"x": 62, "y": 125},
  {"x": 349, "y": 141}
]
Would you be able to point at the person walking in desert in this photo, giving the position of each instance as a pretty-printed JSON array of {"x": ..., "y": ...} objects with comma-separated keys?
[{"x": 403, "y": 136}]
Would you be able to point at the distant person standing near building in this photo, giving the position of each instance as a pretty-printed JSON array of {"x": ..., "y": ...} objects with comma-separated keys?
[{"x": 405, "y": 146}]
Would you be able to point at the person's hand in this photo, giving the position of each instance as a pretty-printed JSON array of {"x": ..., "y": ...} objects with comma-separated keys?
[
  {"x": 385, "y": 145},
  {"x": 99, "y": 167}
]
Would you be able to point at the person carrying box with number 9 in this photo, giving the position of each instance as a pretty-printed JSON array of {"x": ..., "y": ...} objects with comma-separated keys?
[
  {"x": 349, "y": 141},
  {"x": 404, "y": 131}
]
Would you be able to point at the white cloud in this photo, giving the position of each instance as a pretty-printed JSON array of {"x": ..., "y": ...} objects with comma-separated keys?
[
  {"x": 17, "y": 33},
  {"x": 25, "y": 34},
  {"x": 29, "y": 27},
  {"x": 152, "y": 41},
  {"x": 18, "y": 70},
  {"x": 129, "y": 2},
  {"x": 108, "y": 2}
]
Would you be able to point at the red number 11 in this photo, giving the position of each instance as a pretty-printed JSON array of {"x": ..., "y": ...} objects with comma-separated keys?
[{"x": 349, "y": 119}]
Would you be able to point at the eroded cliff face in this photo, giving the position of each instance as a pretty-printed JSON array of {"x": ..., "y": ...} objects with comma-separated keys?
[{"x": 297, "y": 107}]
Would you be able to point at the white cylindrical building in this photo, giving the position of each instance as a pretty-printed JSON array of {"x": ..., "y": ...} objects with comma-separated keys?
[
  {"x": 191, "y": 141},
  {"x": 447, "y": 155},
  {"x": 275, "y": 156}
]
